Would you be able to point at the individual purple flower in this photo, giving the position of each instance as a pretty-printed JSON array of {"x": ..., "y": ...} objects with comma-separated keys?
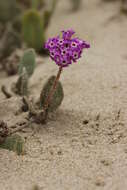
[
  {"x": 51, "y": 43},
  {"x": 67, "y": 34},
  {"x": 65, "y": 50}
]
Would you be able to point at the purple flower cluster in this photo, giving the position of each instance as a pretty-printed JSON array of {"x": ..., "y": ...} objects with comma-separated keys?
[{"x": 65, "y": 50}]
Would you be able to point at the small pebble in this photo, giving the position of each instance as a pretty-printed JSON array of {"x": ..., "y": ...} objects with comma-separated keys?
[
  {"x": 100, "y": 182},
  {"x": 85, "y": 122}
]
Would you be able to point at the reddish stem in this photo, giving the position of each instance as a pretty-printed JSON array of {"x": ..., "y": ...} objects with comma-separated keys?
[{"x": 49, "y": 98}]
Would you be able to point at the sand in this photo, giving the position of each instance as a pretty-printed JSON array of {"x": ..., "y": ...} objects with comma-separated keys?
[{"x": 84, "y": 144}]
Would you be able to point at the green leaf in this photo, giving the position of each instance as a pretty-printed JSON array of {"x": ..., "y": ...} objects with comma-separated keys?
[
  {"x": 33, "y": 30},
  {"x": 14, "y": 143},
  {"x": 27, "y": 61},
  {"x": 22, "y": 84},
  {"x": 57, "y": 97}
]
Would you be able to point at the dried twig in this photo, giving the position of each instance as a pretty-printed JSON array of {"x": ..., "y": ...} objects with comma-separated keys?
[
  {"x": 20, "y": 128},
  {"x": 6, "y": 92}
]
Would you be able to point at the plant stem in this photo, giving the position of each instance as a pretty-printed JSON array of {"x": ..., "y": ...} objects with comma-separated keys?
[{"x": 49, "y": 98}]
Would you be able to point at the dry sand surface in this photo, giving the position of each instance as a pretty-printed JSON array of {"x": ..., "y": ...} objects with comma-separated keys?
[{"x": 84, "y": 144}]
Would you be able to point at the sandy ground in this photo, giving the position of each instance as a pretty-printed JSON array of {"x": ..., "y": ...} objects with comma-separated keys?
[{"x": 84, "y": 144}]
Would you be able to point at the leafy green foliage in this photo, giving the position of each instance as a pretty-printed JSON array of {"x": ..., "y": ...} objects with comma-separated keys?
[
  {"x": 14, "y": 143},
  {"x": 21, "y": 86},
  {"x": 26, "y": 69},
  {"x": 57, "y": 97},
  {"x": 46, "y": 18},
  {"x": 27, "y": 61},
  {"x": 33, "y": 32}
]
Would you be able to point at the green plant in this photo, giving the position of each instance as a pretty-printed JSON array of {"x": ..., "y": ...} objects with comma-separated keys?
[
  {"x": 57, "y": 96},
  {"x": 46, "y": 18},
  {"x": 14, "y": 143},
  {"x": 26, "y": 69},
  {"x": 59, "y": 50},
  {"x": 33, "y": 30},
  {"x": 27, "y": 61},
  {"x": 21, "y": 86}
]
